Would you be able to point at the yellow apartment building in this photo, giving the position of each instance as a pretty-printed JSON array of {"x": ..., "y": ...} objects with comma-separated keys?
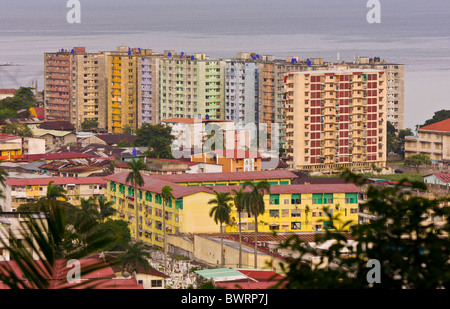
[
  {"x": 289, "y": 208},
  {"x": 20, "y": 191}
]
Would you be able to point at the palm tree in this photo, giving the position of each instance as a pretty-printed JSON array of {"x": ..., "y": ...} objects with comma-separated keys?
[
  {"x": 167, "y": 196},
  {"x": 50, "y": 239},
  {"x": 87, "y": 217},
  {"x": 3, "y": 175},
  {"x": 221, "y": 214},
  {"x": 135, "y": 257},
  {"x": 255, "y": 205},
  {"x": 55, "y": 194},
  {"x": 239, "y": 203},
  {"x": 135, "y": 178},
  {"x": 106, "y": 208}
]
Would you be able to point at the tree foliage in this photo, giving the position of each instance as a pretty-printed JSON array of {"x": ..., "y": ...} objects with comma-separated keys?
[
  {"x": 158, "y": 138},
  {"x": 22, "y": 99},
  {"x": 89, "y": 124},
  {"x": 418, "y": 160},
  {"x": 20, "y": 129},
  {"x": 438, "y": 116},
  {"x": 412, "y": 250},
  {"x": 125, "y": 144}
]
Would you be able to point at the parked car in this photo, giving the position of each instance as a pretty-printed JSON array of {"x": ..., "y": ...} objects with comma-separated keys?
[{"x": 398, "y": 171}]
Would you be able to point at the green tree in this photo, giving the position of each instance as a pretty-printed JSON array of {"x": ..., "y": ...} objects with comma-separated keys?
[
  {"x": 221, "y": 214},
  {"x": 8, "y": 113},
  {"x": 392, "y": 144},
  {"x": 3, "y": 175},
  {"x": 156, "y": 137},
  {"x": 136, "y": 256},
  {"x": 401, "y": 138},
  {"x": 239, "y": 203},
  {"x": 417, "y": 160},
  {"x": 438, "y": 116},
  {"x": 22, "y": 99},
  {"x": 87, "y": 217},
  {"x": 20, "y": 129},
  {"x": 106, "y": 208},
  {"x": 412, "y": 250},
  {"x": 167, "y": 197},
  {"x": 254, "y": 202},
  {"x": 135, "y": 178},
  {"x": 51, "y": 239},
  {"x": 126, "y": 129},
  {"x": 125, "y": 144},
  {"x": 89, "y": 124},
  {"x": 118, "y": 231}
]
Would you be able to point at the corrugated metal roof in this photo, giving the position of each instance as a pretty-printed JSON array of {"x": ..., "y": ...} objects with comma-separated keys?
[{"x": 443, "y": 177}]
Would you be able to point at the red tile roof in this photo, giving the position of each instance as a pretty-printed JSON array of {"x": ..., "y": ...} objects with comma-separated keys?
[
  {"x": 171, "y": 161},
  {"x": 246, "y": 285},
  {"x": 299, "y": 188},
  {"x": 56, "y": 180},
  {"x": 155, "y": 183},
  {"x": 8, "y": 91},
  {"x": 443, "y": 126},
  {"x": 101, "y": 277},
  {"x": 443, "y": 177},
  {"x": 228, "y": 176},
  {"x": 5, "y": 137}
]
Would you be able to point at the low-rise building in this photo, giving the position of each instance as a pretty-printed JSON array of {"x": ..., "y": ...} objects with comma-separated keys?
[
  {"x": 14, "y": 147},
  {"x": 433, "y": 140},
  {"x": 18, "y": 191},
  {"x": 289, "y": 208},
  {"x": 109, "y": 139},
  {"x": 55, "y": 138},
  {"x": 231, "y": 160}
]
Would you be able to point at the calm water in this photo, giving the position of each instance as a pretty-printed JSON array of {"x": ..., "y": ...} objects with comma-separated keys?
[{"x": 413, "y": 32}]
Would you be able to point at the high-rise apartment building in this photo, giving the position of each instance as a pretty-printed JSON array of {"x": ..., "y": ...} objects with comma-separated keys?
[
  {"x": 395, "y": 87},
  {"x": 88, "y": 85},
  {"x": 241, "y": 92},
  {"x": 75, "y": 86},
  {"x": 336, "y": 119},
  {"x": 191, "y": 86},
  {"x": 148, "y": 66},
  {"x": 57, "y": 84},
  {"x": 122, "y": 88}
]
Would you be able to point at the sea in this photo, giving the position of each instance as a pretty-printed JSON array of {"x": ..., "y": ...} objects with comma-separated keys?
[{"x": 411, "y": 32}]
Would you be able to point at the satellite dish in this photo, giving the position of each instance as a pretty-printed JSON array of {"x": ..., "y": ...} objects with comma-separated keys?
[{"x": 126, "y": 274}]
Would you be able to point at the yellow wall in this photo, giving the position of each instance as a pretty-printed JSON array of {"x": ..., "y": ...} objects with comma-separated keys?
[{"x": 194, "y": 217}]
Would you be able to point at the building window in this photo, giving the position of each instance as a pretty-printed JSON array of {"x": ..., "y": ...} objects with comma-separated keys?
[
  {"x": 274, "y": 213},
  {"x": 274, "y": 199},
  {"x": 296, "y": 226},
  {"x": 156, "y": 283}
]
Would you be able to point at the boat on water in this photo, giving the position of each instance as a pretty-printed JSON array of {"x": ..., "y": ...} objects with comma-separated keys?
[{"x": 7, "y": 64}]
